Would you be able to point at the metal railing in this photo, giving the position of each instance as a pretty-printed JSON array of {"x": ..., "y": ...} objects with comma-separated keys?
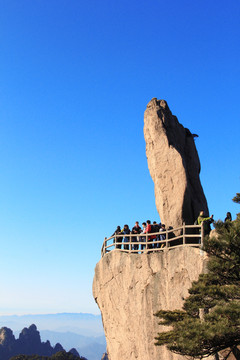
[{"x": 185, "y": 235}]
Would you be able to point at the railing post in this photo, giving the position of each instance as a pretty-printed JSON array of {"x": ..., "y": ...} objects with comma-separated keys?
[
  {"x": 130, "y": 242},
  {"x": 115, "y": 240},
  {"x": 104, "y": 246},
  {"x": 184, "y": 229},
  {"x": 202, "y": 235},
  {"x": 167, "y": 243}
]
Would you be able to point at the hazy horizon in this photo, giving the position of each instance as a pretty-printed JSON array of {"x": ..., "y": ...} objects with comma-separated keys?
[
  {"x": 79, "y": 323},
  {"x": 57, "y": 313}
]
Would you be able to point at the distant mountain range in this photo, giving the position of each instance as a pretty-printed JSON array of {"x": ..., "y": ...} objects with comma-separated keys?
[
  {"x": 28, "y": 343},
  {"x": 83, "y": 332},
  {"x": 90, "y": 347}
]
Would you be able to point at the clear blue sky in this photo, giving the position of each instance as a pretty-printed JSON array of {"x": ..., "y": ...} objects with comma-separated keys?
[{"x": 75, "y": 79}]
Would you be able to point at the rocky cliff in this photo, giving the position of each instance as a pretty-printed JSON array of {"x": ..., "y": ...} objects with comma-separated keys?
[
  {"x": 174, "y": 166},
  {"x": 130, "y": 288}
]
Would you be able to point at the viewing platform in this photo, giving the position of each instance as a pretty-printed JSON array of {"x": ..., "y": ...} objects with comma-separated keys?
[{"x": 185, "y": 235}]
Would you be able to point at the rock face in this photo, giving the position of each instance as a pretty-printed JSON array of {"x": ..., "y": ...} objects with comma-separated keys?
[
  {"x": 130, "y": 288},
  {"x": 174, "y": 166}
]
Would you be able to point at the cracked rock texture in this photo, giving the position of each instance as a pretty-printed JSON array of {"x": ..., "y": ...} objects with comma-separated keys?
[
  {"x": 130, "y": 288},
  {"x": 174, "y": 166}
]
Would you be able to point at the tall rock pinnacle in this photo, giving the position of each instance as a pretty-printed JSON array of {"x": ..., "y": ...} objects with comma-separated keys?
[
  {"x": 174, "y": 166},
  {"x": 130, "y": 288}
]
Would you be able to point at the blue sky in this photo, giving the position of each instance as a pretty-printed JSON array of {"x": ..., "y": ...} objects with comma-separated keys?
[{"x": 75, "y": 79}]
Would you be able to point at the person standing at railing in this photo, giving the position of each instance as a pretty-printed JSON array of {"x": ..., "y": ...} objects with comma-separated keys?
[
  {"x": 206, "y": 222},
  {"x": 136, "y": 230},
  {"x": 143, "y": 238},
  {"x": 228, "y": 217},
  {"x": 163, "y": 228},
  {"x": 148, "y": 231},
  {"x": 126, "y": 231},
  {"x": 118, "y": 239},
  {"x": 162, "y": 236},
  {"x": 155, "y": 229}
]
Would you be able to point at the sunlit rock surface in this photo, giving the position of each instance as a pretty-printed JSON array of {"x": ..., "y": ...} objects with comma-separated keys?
[
  {"x": 130, "y": 288},
  {"x": 174, "y": 166}
]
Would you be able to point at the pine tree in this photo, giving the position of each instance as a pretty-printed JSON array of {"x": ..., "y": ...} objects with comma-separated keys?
[
  {"x": 236, "y": 198},
  {"x": 210, "y": 319}
]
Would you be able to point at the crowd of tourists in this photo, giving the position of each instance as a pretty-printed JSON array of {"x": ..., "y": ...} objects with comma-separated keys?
[
  {"x": 152, "y": 229},
  {"x": 147, "y": 228}
]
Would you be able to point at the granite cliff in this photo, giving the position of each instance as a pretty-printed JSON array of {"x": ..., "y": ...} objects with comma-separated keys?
[
  {"x": 129, "y": 288},
  {"x": 174, "y": 166}
]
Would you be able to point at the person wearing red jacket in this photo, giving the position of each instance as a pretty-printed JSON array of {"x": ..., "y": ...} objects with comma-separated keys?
[{"x": 148, "y": 231}]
